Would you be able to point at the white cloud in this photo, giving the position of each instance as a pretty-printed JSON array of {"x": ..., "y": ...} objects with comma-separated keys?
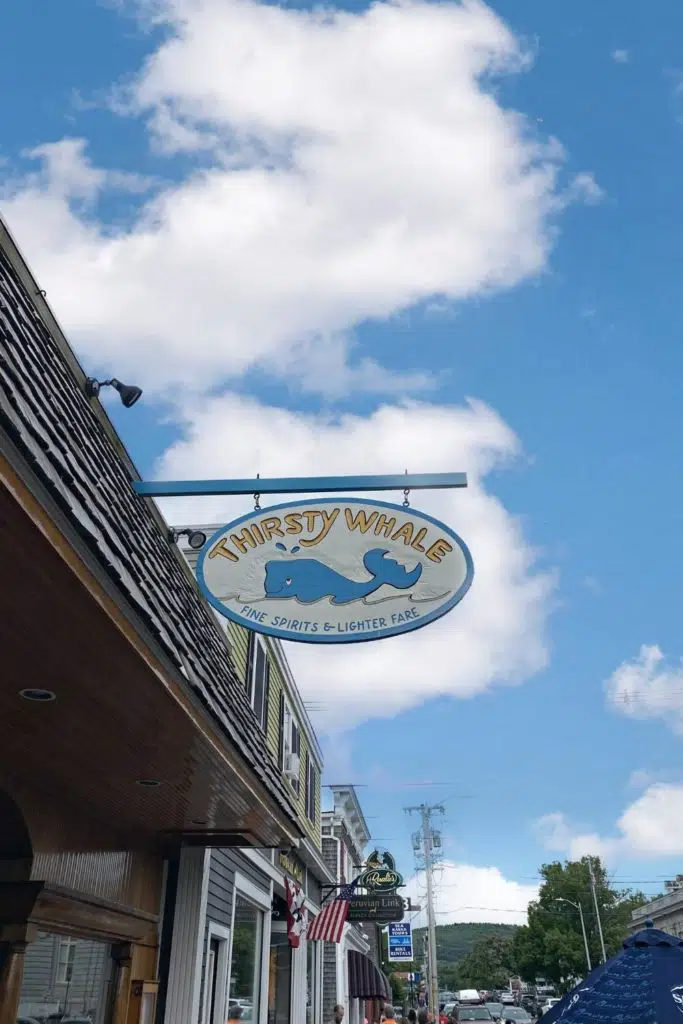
[
  {"x": 468, "y": 893},
  {"x": 354, "y": 164},
  {"x": 641, "y": 778},
  {"x": 653, "y": 824},
  {"x": 496, "y": 636},
  {"x": 556, "y": 834},
  {"x": 645, "y": 688},
  {"x": 584, "y": 188},
  {"x": 650, "y": 827},
  {"x": 621, "y": 56}
]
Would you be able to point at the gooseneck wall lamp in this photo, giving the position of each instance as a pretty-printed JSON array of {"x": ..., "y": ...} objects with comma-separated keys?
[
  {"x": 129, "y": 392},
  {"x": 195, "y": 538}
]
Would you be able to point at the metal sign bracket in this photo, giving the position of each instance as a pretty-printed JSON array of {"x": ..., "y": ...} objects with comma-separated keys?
[{"x": 300, "y": 485}]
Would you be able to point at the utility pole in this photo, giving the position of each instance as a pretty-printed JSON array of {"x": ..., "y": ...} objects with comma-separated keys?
[
  {"x": 426, "y": 811},
  {"x": 597, "y": 909}
]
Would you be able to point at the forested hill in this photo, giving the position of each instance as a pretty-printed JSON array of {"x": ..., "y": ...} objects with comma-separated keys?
[{"x": 455, "y": 941}]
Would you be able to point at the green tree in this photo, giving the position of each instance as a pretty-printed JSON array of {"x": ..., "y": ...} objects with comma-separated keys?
[
  {"x": 489, "y": 965},
  {"x": 448, "y": 977},
  {"x": 398, "y": 989},
  {"x": 551, "y": 945}
]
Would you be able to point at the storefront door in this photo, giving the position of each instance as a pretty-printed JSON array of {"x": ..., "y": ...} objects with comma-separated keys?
[
  {"x": 280, "y": 976},
  {"x": 212, "y": 981}
]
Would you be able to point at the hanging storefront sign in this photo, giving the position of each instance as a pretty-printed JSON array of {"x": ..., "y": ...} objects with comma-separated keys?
[
  {"x": 400, "y": 942},
  {"x": 334, "y": 570},
  {"x": 297, "y": 915},
  {"x": 380, "y": 873},
  {"x": 382, "y": 909},
  {"x": 290, "y": 863}
]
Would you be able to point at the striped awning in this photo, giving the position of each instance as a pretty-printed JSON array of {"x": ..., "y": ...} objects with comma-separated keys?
[{"x": 366, "y": 981}]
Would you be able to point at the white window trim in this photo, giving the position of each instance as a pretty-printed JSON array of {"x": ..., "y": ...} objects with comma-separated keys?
[
  {"x": 287, "y": 718},
  {"x": 70, "y": 943},
  {"x": 220, "y": 932},
  {"x": 257, "y": 641},
  {"x": 189, "y": 923},
  {"x": 263, "y": 901},
  {"x": 254, "y": 893},
  {"x": 311, "y": 767},
  {"x": 290, "y": 720}
]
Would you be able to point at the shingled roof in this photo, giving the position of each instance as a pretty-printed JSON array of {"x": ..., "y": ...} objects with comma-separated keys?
[{"x": 46, "y": 415}]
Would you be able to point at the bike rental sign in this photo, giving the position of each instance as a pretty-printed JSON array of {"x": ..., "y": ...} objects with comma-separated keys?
[{"x": 335, "y": 570}]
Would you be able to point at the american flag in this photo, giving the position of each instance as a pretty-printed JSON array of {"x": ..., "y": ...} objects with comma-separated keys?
[{"x": 328, "y": 926}]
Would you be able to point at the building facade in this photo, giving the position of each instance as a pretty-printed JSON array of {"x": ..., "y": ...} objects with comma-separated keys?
[
  {"x": 132, "y": 758},
  {"x": 665, "y": 912},
  {"x": 352, "y": 975},
  {"x": 243, "y": 953}
]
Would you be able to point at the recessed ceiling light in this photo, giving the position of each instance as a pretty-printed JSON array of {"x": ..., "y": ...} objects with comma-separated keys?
[
  {"x": 39, "y": 696},
  {"x": 198, "y": 821},
  {"x": 149, "y": 783}
]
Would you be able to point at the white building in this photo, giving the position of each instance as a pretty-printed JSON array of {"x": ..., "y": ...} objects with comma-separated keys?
[
  {"x": 665, "y": 912},
  {"x": 352, "y": 974}
]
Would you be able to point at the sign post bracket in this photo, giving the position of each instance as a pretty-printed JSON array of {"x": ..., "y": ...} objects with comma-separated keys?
[{"x": 300, "y": 485}]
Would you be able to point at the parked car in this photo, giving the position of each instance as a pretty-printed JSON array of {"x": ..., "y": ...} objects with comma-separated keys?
[
  {"x": 516, "y": 1014},
  {"x": 469, "y": 996},
  {"x": 507, "y": 998},
  {"x": 469, "y": 1013},
  {"x": 549, "y": 1003},
  {"x": 495, "y": 1009},
  {"x": 447, "y": 1012}
]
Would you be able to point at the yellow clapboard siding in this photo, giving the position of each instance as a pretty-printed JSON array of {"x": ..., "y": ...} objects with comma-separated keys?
[
  {"x": 239, "y": 642},
  {"x": 238, "y": 637}
]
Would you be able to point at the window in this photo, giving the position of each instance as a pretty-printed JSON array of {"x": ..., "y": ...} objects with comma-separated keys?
[
  {"x": 311, "y": 787},
  {"x": 312, "y": 983},
  {"x": 258, "y": 679},
  {"x": 65, "y": 973},
  {"x": 245, "y": 968},
  {"x": 290, "y": 744},
  {"x": 216, "y": 975},
  {"x": 65, "y": 961}
]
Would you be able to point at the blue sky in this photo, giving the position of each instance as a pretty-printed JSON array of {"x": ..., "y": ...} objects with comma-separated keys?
[{"x": 553, "y": 299}]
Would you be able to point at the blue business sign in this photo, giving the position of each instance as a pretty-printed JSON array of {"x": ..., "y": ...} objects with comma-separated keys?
[
  {"x": 400, "y": 942},
  {"x": 334, "y": 570}
]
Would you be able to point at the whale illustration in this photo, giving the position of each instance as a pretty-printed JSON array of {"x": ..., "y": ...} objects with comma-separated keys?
[{"x": 309, "y": 580}]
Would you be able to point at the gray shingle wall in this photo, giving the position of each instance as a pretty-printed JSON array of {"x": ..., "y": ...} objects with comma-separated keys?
[{"x": 330, "y": 996}]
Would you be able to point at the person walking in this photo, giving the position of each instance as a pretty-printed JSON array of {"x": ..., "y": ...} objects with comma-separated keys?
[
  {"x": 338, "y": 1014},
  {"x": 389, "y": 1014}
]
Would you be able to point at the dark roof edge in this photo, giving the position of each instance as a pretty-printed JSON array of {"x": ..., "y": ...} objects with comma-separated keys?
[
  {"x": 15, "y": 459},
  {"x": 25, "y": 275}
]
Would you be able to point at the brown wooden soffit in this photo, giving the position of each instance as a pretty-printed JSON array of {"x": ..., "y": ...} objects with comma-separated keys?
[{"x": 115, "y": 722}]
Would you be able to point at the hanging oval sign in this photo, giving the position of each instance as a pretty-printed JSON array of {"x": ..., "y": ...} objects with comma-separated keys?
[
  {"x": 380, "y": 880},
  {"x": 334, "y": 570}
]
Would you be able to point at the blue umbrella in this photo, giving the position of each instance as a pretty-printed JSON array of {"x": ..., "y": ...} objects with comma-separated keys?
[{"x": 642, "y": 984}]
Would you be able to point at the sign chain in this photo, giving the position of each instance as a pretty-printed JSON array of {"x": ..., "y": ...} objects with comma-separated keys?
[
  {"x": 257, "y": 498},
  {"x": 406, "y": 495}
]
